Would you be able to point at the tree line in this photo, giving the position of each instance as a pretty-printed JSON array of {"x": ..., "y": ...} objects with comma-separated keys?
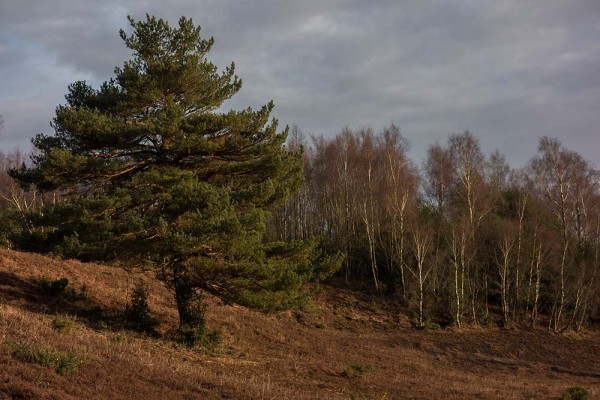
[
  {"x": 145, "y": 171},
  {"x": 461, "y": 237},
  {"x": 455, "y": 239}
]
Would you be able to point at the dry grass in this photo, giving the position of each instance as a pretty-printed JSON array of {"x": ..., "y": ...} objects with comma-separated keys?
[{"x": 346, "y": 346}]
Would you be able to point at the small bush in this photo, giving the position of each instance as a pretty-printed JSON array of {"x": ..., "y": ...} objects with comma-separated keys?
[
  {"x": 49, "y": 357},
  {"x": 194, "y": 336},
  {"x": 483, "y": 317},
  {"x": 356, "y": 370},
  {"x": 63, "y": 323},
  {"x": 576, "y": 393},
  {"x": 193, "y": 333},
  {"x": 137, "y": 312},
  {"x": 434, "y": 326},
  {"x": 55, "y": 287}
]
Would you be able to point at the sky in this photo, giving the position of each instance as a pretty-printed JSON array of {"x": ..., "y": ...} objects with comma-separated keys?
[{"x": 510, "y": 71}]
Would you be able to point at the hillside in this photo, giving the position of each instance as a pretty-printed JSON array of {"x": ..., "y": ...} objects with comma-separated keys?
[{"x": 345, "y": 346}]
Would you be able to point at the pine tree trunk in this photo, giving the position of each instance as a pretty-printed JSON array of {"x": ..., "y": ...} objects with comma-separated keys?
[{"x": 189, "y": 305}]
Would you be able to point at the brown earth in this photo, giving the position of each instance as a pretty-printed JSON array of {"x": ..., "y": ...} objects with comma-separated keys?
[{"x": 346, "y": 346}]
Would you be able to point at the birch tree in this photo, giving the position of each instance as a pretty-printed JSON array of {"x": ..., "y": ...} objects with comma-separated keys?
[{"x": 420, "y": 245}]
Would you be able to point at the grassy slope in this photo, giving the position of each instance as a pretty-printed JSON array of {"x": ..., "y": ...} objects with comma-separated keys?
[{"x": 347, "y": 346}]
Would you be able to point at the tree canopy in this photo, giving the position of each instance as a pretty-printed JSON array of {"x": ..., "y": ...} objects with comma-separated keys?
[{"x": 155, "y": 175}]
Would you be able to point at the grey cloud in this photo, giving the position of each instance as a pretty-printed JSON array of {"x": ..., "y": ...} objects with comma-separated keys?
[{"x": 511, "y": 71}]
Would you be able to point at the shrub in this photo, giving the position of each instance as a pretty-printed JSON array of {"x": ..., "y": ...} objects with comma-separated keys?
[
  {"x": 9, "y": 225},
  {"x": 193, "y": 332},
  {"x": 55, "y": 287},
  {"x": 137, "y": 312},
  {"x": 49, "y": 357},
  {"x": 576, "y": 393},
  {"x": 356, "y": 370},
  {"x": 63, "y": 323},
  {"x": 434, "y": 326},
  {"x": 194, "y": 336}
]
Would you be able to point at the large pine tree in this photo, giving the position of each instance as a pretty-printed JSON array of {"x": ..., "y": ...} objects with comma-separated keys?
[{"x": 155, "y": 175}]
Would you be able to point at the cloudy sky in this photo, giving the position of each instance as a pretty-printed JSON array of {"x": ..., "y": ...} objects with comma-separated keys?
[{"x": 508, "y": 70}]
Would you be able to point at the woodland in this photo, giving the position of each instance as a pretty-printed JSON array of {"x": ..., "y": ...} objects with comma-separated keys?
[
  {"x": 453, "y": 238},
  {"x": 459, "y": 237},
  {"x": 146, "y": 172}
]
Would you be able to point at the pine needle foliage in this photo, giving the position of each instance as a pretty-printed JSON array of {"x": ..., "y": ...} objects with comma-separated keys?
[{"x": 156, "y": 175}]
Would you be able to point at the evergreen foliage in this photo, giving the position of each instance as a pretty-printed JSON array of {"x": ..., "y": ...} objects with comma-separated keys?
[
  {"x": 137, "y": 312},
  {"x": 156, "y": 176},
  {"x": 9, "y": 225}
]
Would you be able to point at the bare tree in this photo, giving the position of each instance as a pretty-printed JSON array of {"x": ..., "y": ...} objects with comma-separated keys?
[
  {"x": 400, "y": 193},
  {"x": 420, "y": 244},
  {"x": 468, "y": 161},
  {"x": 438, "y": 170},
  {"x": 293, "y": 221},
  {"x": 504, "y": 261},
  {"x": 522, "y": 203},
  {"x": 553, "y": 169},
  {"x": 536, "y": 270},
  {"x": 469, "y": 203},
  {"x": 531, "y": 237},
  {"x": 461, "y": 257}
]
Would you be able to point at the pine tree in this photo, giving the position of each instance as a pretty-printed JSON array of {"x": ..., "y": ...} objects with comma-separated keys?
[{"x": 156, "y": 175}]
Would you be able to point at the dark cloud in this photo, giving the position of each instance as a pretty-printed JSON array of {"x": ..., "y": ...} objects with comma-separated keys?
[{"x": 511, "y": 71}]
